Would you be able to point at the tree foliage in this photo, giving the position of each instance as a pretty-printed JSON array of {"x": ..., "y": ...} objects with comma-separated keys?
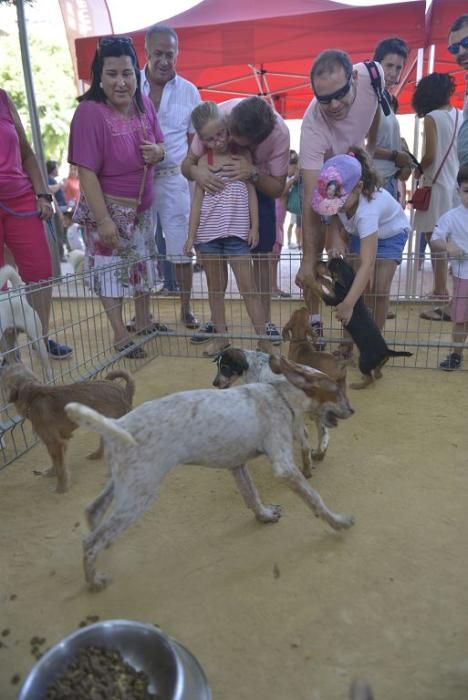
[{"x": 54, "y": 88}]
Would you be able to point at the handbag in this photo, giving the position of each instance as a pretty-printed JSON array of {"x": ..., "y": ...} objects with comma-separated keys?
[
  {"x": 293, "y": 202},
  {"x": 421, "y": 198}
]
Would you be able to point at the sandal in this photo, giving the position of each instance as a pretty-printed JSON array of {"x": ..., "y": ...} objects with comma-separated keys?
[
  {"x": 132, "y": 351},
  {"x": 155, "y": 328},
  {"x": 437, "y": 314}
]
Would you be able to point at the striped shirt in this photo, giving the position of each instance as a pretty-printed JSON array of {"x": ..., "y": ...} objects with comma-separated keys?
[{"x": 225, "y": 213}]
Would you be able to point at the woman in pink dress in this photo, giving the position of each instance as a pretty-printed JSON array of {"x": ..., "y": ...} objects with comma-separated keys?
[{"x": 115, "y": 140}]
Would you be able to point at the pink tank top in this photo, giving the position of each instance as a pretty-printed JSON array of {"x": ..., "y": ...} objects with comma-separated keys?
[{"x": 14, "y": 181}]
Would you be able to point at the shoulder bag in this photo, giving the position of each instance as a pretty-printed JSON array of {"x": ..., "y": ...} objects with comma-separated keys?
[{"x": 421, "y": 198}]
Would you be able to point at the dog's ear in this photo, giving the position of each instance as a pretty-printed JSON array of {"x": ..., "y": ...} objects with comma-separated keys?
[{"x": 301, "y": 376}]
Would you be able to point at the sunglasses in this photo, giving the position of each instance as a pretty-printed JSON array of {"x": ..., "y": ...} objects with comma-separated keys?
[
  {"x": 338, "y": 95},
  {"x": 115, "y": 41},
  {"x": 455, "y": 48}
]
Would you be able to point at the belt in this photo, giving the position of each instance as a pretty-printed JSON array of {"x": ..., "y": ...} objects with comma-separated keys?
[{"x": 167, "y": 172}]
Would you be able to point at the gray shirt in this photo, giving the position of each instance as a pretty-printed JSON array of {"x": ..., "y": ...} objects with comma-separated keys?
[{"x": 463, "y": 137}]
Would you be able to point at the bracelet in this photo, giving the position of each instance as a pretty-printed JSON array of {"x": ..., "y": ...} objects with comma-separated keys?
[
  {"x": 106, "y": 218},
  {"x": 45, "y": 195}
]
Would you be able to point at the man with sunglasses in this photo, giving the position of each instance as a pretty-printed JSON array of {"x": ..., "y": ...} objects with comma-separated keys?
[
  {"x": 458, "y": 47},
  {"x": 174, "y": 99},
  {"x": 342, "y": 114}
]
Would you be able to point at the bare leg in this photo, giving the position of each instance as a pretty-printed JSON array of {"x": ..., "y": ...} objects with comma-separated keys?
[
  {"x": 184, "y": 276},
  {"x": 265, "y": 514},
  {"x": 113, "y": 309},
  {"x": 295, "y": 480},
  {"x": 41, "y": 300},
  {"x": 459, "y": 333},
  {"x": 242, "y": 269},
  {"x": 216, "y": 279},
  {"x": 379, "y": 300},
  {"x": 263, "y": 282},
  {"x": 440, "y": 269},
  {"x": 142, "y": 311}
]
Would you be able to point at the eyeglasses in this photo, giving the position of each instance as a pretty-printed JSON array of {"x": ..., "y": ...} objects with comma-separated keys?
[
  {"x": 115, "y": 41},
  {"x": 338, "y": 95},
  {"x": 455, "y": 48}
]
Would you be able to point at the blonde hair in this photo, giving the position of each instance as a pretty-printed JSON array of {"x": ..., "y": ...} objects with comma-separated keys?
[
  {"x": 371, "y": 179},
  {"x": 203, "y": 113}
]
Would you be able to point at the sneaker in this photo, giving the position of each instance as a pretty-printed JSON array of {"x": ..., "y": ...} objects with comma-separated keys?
[
  {"x": 57, "y": 351},
  {"x": 451, "y": 362},
  {"x": 189, "y": 320},
  {"x": 273, "y": 333},
  {"x": 317, "y": 327},
  {"x": 203, "y": 334}
]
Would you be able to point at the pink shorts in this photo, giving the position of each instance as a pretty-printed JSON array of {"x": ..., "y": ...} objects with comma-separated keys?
[
  {"x": 26, "y": 238},
  {"x": 459, "y": 307}
]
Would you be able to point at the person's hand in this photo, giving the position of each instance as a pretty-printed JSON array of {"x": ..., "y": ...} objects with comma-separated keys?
[
  {"x": 337, "y": 252},
  {"x": 44, "y": 209},
  {"x": 188, "y": 247},
  {"x": 344, "y": 311},
  {"x": 403, "y": 159},
  {"x": 239, "y": 169},
  {"x": 252, "y": 239},
  {"x": 152, "y": 153},
  {"x": 205, "y": 177},
  {"x": 306, "y": 271},
  {"x": 108, "y": 233}
]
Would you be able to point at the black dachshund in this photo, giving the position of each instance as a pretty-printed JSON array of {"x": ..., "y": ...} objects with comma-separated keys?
[{"x": 334, "y": 280}]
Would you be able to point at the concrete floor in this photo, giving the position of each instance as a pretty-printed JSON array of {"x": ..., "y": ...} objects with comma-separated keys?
[{"x": 291, "y": 611}]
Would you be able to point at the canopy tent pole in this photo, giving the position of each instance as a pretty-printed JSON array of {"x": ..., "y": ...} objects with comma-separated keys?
[{"x": 28, "y": 83}]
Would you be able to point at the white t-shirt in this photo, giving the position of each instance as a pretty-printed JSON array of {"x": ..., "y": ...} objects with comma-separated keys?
[
  {"x": 388, "y": 136},
  {"x": 383, "y": 214},
  {"x": 453, "y": 226}
]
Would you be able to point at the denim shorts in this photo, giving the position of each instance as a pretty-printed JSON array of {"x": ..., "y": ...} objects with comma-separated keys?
[
  {"x": 229, "y": 246},
  {"x": 390, "y": 248}
]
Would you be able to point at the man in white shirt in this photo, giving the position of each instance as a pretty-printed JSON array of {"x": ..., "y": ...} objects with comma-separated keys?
[
  {"x": 389, "y": 157},
  {"x": 174, "y": 99}
]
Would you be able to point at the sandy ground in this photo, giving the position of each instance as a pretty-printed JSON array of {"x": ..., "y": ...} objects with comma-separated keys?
[{"x": 286, "y": 611}]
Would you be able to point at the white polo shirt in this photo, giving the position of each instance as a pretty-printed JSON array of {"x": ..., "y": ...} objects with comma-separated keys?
[
  {"x": 179, "y": 98},
  {"x": 453, "y": 226}
]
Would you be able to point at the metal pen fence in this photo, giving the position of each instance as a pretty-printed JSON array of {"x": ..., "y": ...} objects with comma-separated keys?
[{"x": 78, "y": 320}]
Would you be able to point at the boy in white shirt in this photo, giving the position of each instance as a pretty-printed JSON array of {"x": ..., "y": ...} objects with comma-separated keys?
[{"x": 451, "y": 236}]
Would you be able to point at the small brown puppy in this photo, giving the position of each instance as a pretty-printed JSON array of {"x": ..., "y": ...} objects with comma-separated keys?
[
  {"x": 44, "y": 406},
  {"x": 298, "y": 331}
]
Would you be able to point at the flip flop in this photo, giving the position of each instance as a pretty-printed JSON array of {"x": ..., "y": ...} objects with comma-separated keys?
[
  {"x": 132, "y": 351},
  {"x": 436, "y": 314}
]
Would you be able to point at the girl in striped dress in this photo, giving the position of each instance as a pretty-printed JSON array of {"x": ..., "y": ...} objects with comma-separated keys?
[{"x": 224, "y": 228}]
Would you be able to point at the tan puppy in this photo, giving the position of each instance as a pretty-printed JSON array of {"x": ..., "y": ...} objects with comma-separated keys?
[
  {"x": 44, "y": 406},
  {"x": 298, "y": 331}
]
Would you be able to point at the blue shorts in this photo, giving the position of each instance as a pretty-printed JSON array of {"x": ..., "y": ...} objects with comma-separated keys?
[
  {"x": 391, "y": 185},
  {"x": 229, "y": 246},
  {"x": 266, "y": 223},
  {"x": 390, "y": 248}
]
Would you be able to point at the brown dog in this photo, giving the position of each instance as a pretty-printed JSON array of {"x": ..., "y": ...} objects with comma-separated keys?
[
  {"x": 44, "y": 406},
  {"x": 298, "y": 331}
]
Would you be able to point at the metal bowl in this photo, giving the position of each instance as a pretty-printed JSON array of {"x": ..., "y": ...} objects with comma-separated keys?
[{"x": 173, "y": 672}]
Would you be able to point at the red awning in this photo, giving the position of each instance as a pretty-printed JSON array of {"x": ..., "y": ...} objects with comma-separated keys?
[{"x": 268, "y": 46}]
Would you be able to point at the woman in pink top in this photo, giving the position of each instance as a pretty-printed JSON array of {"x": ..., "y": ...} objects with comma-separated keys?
[
  {"x": 25, "y": 203},
  {"x": 115, "y": 140}
]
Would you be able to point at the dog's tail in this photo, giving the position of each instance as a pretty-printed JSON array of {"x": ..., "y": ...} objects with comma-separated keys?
[
  {"x": 129, "y": 382},
  {"x": 9, "y": 274},
  {"x": 91, "y": 419},
  {"x": 399, "y": 353}
]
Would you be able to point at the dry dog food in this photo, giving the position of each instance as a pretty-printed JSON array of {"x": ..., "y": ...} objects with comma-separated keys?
[{"x": 100, "y": 674}]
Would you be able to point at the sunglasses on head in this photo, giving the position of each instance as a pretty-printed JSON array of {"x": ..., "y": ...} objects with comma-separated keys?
[
  {"x": 455, "y": 48},
  {"x": 115, "y": 41},
  {"x": 338, "y": 95}
]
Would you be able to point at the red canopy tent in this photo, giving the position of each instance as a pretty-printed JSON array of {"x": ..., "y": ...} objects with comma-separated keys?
[{"x": 270, "y": 50}]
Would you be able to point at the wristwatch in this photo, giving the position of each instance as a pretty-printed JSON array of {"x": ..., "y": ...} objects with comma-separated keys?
[
  {"x": 45, "y": 195},
  {"x": 254, "y": 175},
  {"x": 394, "y": 156}
]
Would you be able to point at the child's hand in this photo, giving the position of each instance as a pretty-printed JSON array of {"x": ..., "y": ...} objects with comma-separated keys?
[
  {"x": 188, "y": 247},
  {"x": 252, "y": 239},
  {"x": 344, "y": 311}
]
